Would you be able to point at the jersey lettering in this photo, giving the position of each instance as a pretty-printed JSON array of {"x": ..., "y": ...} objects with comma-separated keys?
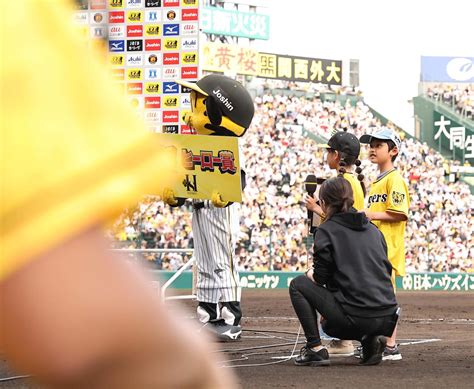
[{"x": 377, "y": 198}]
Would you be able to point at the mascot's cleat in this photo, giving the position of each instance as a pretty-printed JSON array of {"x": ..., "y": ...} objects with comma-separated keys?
[{"x": 223, "y": 332}]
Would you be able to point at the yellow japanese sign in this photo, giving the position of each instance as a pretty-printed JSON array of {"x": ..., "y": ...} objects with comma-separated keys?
[
  {"x": 204, "y": 164},
  {"x": 218, "y": 57},
  {"x": 229, "y": 58}
]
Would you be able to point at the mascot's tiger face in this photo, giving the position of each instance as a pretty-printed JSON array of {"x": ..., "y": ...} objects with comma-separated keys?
[{"x": 219, "y": 106}]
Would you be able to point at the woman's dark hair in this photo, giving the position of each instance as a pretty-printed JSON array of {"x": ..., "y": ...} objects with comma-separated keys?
[
  {"x": 347, "y": 160},
  {"x": 337, "y": 195}
]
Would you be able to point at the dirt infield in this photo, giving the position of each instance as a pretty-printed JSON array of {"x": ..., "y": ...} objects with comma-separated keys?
[
  {"x": 447, "y": 362},
  {"x": 426, "y": 316},
  {"x": 436, "y": 333}
]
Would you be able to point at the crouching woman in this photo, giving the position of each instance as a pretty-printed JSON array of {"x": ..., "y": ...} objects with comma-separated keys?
[{"x": 349, "y": 283}]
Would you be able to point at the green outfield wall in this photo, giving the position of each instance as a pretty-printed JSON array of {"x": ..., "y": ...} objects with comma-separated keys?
[{"x": 453, "y": 282}]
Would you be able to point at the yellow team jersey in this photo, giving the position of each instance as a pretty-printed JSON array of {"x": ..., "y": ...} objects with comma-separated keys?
[
  {"x": 357, "y": 191},
  {"x": 390, "y": 193},
  {"x": 72, "y": 153}
]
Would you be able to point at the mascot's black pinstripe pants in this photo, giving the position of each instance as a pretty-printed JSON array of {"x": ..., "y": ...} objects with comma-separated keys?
[{"x": 215, "y": 232}]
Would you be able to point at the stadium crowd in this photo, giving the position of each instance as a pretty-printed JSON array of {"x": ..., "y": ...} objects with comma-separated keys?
[
  {"x": 460, "y": 98},
  {"x": 278, "y": 155}
]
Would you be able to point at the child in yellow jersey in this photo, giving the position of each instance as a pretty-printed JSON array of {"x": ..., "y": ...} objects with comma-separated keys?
[
  {"x": 388, "y": 204},
  {"x": 342, "y": 153}
]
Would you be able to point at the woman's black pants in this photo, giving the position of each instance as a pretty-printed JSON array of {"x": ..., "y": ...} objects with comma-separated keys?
[{"x": 307, "y": 297}]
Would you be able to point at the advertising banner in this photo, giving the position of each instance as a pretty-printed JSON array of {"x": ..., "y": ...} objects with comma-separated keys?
[
  {"x": 447, "y": 69},
  {"x": 242, "y": 60},
  {"x": 229, "y": 59},
  {"x": 451, "y": 136},
  {"x": 150, "y": 45},
  {"x": 450, "y": 282},
  {"x": 221, "y": 21},
  {"x": 291, "y": 68}
]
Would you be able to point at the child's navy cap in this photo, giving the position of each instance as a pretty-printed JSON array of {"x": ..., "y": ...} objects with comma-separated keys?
[{"x": 344, "y": 142}]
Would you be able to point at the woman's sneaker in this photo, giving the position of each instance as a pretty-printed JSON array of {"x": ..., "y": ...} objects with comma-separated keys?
[
  {"x": 343, "y": 348},
  {"x": 392, "y": 353},
  {"x": 308, "y": 357}
]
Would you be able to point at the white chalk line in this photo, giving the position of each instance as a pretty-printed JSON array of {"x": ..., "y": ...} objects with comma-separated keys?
[
  {"x": 413, "y": 320},
  {"x": 418, "y": 341},
  {"x": 405, "y": 319}
]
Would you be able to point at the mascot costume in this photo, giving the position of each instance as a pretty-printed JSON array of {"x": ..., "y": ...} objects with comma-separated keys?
[{"x": 220, "y": 106}]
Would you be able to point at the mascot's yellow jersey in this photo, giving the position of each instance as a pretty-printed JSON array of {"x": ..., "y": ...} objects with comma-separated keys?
[
  {"x": 72, "y": 153},
  {"x": 357, "y": 191},
  {"x": 390, "y": 193}
]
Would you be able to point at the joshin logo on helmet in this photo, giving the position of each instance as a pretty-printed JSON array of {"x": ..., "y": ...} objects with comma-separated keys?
[{"x": 224, "y": 100}]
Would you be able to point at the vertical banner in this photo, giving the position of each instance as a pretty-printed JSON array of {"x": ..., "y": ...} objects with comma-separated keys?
[{"x": 151, "y": 44}]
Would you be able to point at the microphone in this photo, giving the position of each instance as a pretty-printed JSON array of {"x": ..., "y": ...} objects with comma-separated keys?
[{"x": 310, "y": 184}]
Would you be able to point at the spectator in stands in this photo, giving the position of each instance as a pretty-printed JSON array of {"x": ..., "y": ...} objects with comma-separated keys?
[{"x": 458, "y": 97}]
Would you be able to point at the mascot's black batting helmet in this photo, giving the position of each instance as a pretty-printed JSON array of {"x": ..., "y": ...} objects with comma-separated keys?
[{"x": 221, "y": 106}]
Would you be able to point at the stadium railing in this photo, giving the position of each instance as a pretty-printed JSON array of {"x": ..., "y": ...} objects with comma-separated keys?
[{"x": 176, "y": 274}]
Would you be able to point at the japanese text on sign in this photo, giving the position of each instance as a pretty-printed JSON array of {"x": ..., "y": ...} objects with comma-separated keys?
[
  {"x": 235, "y": 23},
  {"x": 206, "y": 159},
  {"x": 440, "y": 281},
  {"x": 456, "y": 135},
  {"x": 247, "y": 61}
]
